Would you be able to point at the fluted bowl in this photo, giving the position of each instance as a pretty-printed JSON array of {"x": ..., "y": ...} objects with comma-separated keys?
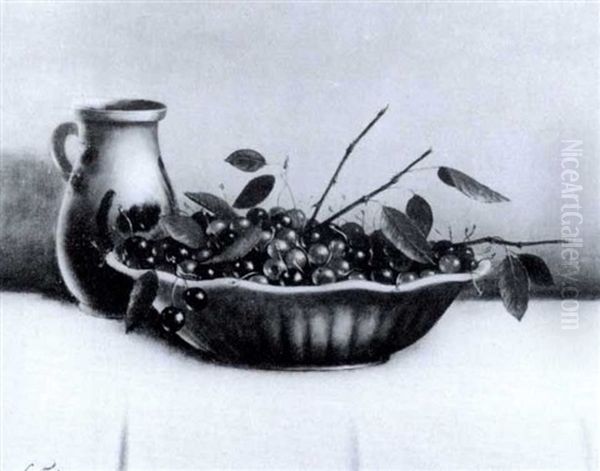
[{"x": 344, "y": 324}]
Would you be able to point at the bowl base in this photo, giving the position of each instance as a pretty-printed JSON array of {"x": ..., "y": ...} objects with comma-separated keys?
[{"x": 279, "y": 367}]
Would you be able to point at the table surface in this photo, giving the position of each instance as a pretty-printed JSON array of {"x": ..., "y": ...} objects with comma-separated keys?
[{"x": 481, "y": 390}]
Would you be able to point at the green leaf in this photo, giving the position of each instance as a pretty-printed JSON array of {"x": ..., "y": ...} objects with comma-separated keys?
[
  {"x": 420, "y": 212},
  {"x": 514, "y": 286},
  {"x": 240, "y": 247},
  {"x": 246, "y": 160},
  {"x": 538, "y": 271},
  {"x": 184, "y": 229},
  {"x": 469, "y": 186},
  {"x": 214, "y": 204},
  {"x": 255, "y": 192},
  {"x": 405, "y": 235},
  {"x": 140, "y": 300}
]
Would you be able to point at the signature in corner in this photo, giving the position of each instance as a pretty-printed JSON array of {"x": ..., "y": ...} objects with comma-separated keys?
[{"x": 32, "y": 467}]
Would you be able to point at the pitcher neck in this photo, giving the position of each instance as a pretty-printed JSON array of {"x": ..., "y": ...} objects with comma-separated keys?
[{"x": 98, "y": 133}]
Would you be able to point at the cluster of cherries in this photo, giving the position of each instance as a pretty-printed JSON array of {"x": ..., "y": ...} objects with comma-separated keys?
[{"x": 291, "y": 253}]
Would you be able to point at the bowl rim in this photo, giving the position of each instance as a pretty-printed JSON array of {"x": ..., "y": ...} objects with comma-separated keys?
[{"x": 482, "y": 270}]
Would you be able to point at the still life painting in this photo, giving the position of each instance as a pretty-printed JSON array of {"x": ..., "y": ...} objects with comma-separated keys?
[{"x": 300, "y": 235}]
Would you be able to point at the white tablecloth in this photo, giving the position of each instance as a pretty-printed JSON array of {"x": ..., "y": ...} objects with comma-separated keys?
[{"x": 481, "y": 390}]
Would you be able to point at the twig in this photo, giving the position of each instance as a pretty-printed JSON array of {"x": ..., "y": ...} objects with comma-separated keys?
[
  {"x": 349, "y": 150},
  {"x": 500, "y": 241},
  {"x": 367, "y": 197}
]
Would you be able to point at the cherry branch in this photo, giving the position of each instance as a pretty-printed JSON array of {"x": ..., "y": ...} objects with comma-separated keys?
[
  {"x": 363, "y": 199},
  {"x": 500, "y": 241},
  {"x": 349, "y": 150}
]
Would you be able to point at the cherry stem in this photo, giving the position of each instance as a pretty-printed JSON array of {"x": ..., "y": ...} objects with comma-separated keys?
[
  {"x": 500, "y": 241},
  {"x": 349, "y": 150},
  {"x": 363, "y": 199}
]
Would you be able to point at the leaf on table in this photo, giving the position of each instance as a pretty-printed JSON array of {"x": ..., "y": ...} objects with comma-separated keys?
[
  {"x": 514, "y": 286},
  {"x": 217, "y": 206},
  {"x": 140, "y": 300},
  {"x": 469, "y": 186},
  {"x": 244, "y": 243},
  {"x": 420, "y": 212},
  {"x": 255, "y": 192},
  {"x": 246, "y": 160},
  {"x": 538, "y": 271},
  {"x": 184, "y": 229},
  {"x": 405, "y": 235}
]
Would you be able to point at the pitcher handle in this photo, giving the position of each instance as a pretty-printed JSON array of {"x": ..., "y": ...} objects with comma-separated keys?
[{"x": 57, "y": 149}]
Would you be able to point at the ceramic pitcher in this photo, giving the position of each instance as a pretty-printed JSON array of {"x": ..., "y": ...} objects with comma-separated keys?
[{"x": 120, "y": 153}]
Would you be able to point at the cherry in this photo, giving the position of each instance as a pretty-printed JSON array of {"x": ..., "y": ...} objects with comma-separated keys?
[
  {"x": 377, "y": 242},
  {"x": 265, "y": 237},
  {"x": 148, "y": 262},
  {"x": 473, "y": 264},
  {"x": 216, "y": 227},
  {"x": 276, "y": 210},
  {"x": 296, "y": 258},
  {"x": 356, "y": 235},
  {"x": 385, "y": 255},
  {"x": 287, "y": 234},
  {"x": 206, "y": 273},
  {"x": 263, "y": 280},
  {"x": 352, "y": 230},
  {"x": 357, "y": 275},
  {"x": 427, "y": 272},
  {"x": 449, "y": 264},
  {"x": 176, "y": 253},
  {"x": 441, "y": 247},
  {"x": 318, "y": 254},
  {"x": 138, "y": 218},
  {"x": 292, "y": 277},
  {"x": 467, "y": 252},
  {"x": 227, "y": 237},
  {"x": 195, "y": 298},
  {"x": 340, "y": 266},
  {"x": 298, "y": 218},
  {"x": 313, "y": 236},
  {"x": 239, "y": 225},
  {"x": 202, "y": 219},
  {"x": 257, "y": 257},
  {"x": 160, "y": 247},
  {"x": 406, "y": 277},
  {"x": 401, "y": 263},
  {"x": 187, "y": 268},
  {"x": 281, "y": 220},
  {"x": 172, "y": 319},
  {"x": 135, "y": 251},
  {"x": 274, "y": 268},
  {"x": 322, "y": 276},
  {"x": 383, "y": 275},
  {"x": 212, "y": 243},
  {"x": 257, "y": 216},
  {"x": 358, "y": 257},
  {"x": 466, "y": 256},
  {"x": 224, "y": 270},
  {"x": 322, "y": 234},
  {"x": 337, "y": 247},
  {"x": 277, "y": 247},
  {"x": 203, "y": 254},
  {"x": 243, "y": 267}
]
